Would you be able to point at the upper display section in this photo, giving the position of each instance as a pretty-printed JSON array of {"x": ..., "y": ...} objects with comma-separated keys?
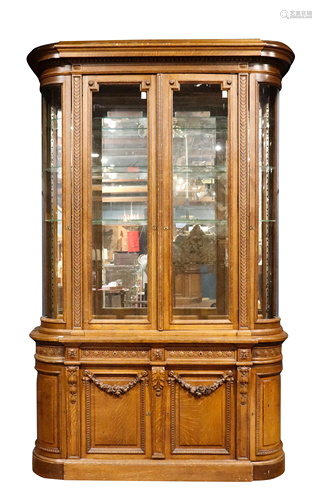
[{"x": 248, "y": 50}]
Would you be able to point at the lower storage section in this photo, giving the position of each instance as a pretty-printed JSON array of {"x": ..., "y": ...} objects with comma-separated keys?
[{"x": 128, "y": 415}]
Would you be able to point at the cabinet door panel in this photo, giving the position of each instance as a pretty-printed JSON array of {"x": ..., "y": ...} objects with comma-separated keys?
[
  {"x": 268, "y": 412},
  {"x": 115, "y": 420},
  {"x": 48, "y": 412},
  {"x": 201, "y": 424}
]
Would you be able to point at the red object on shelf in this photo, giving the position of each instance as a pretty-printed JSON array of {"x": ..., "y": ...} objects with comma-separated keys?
[{"x": 133, "y": 244}]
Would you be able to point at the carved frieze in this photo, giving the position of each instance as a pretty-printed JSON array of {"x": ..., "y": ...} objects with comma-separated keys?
[
  {"x": 267, "y": 352},
  {"x": 116, "y": 354},
  {"x": 192, "y": 354},
  {"x": 50, "y": 351}
]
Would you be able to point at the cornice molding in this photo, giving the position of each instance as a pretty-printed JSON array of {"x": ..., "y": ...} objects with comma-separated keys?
[{"x": 238, "y": 49}]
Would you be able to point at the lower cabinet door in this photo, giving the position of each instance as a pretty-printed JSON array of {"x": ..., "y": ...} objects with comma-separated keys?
[
  {"x": 115, "y": 407},
  {"x": 202, "y": 412}
]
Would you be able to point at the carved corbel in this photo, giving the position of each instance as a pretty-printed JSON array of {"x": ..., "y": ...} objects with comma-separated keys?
[{"x": 158, "y": 377}]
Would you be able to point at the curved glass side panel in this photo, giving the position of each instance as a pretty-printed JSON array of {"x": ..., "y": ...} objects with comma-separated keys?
[
  {"x": 119, "y": 202},
  {"x": 200, "y": 207},
  {"x": 268, "y": 191},
  {"x": 52, "y": 203}
]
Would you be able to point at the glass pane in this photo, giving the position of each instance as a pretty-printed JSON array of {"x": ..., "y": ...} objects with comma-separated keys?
[
  {"x": 200, "y": 211},
  {"x": 268, "y": 189},
  {"x": 52, "y": 203},
  {"x": 120, "y": 201}
]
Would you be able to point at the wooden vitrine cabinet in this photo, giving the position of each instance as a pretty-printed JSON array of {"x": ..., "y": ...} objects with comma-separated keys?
[{"x": 159, "y": 350}]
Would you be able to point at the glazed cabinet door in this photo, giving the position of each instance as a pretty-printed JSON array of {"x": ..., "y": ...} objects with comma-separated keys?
[
  {"x": 121, "y": 196},
  {"x": 197, "y": 229}
]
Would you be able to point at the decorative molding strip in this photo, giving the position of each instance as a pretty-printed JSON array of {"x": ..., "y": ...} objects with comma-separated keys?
[
  {"x": 77, "y": 197},
  {"x": 243, "y": 196},
  {"x": 115, "y": 390},
  {"x": 158, "y": 377},
  {"x": 200, "y": 390},
  {"x": 198, "y": 354},
  {"x": 243, "y": 384},
  {"x": 267, "y": 352},
  {"x": 50, "y": 351},
  {"x": 72, "y": 382},
  {"x": 114, "y": 354}
]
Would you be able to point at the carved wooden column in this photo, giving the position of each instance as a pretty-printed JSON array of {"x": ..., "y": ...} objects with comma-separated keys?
[
  {"x": 243, "y": 403},
  {"x": 158, "y": 406},
  {"x": 243, "y": 199},
  {"x": 77, "y": 199},
  {"x": 73, "y": 403}
]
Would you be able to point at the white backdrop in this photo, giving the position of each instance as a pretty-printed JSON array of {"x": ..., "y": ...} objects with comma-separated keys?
[{"x": 25, "y": 25}]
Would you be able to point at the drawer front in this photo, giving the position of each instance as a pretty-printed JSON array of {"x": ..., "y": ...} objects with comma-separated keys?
[
  {"x": 202, "y": 411},
  {"x": 114, "y": 416}
]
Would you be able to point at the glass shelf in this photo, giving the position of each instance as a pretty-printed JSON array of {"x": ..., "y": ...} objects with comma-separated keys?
[
  {"x": 121, "y": 222},
  {"x": 54, "y": 170},
  {"x": 199, "y": 221}
]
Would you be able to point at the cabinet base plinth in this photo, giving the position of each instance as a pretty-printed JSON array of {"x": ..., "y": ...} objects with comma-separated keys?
[
  {"x": 269, "y": 469},
  {"x": 150, "y": 470}
]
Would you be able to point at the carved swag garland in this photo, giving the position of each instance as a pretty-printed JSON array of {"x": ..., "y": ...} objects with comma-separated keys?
[
  {"x": 115, "y": 390},
  {"x": 200, "y": 390}
]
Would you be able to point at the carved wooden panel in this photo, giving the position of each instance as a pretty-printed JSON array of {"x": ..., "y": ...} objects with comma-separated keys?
[
  {"x": 268, "y": 412},
  {"x": 267, "y": 353},
  {"x": 116, "y": 354},
  {"x": 49, "y": 353},
  {"x": 48, "y": 412},
  {"x": 115, "y": 411},
  {"x": 217, "y": 353},
  {"x": 202, "y": 409},
  {"x": 243, "y": 199}
]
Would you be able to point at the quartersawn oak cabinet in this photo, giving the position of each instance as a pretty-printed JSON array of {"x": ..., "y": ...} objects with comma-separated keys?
[{"x": 159, "y": 352}]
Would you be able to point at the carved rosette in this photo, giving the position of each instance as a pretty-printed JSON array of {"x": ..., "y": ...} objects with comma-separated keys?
[
  {"x": 158, "y": 378},
  {"x": 243, "y": 384},
  {"x": 114, "y": 390},
  {"x": 200, "y": 390}
]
